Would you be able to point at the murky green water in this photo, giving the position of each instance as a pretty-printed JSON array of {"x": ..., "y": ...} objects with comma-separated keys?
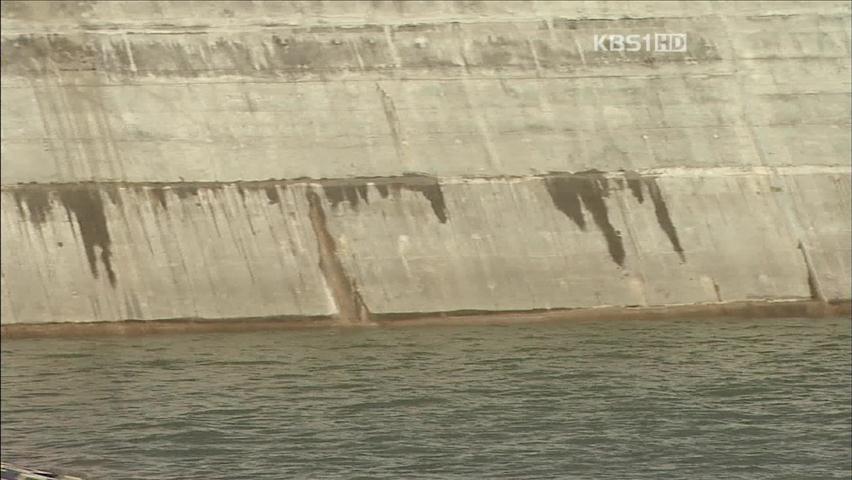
[{"x": 586, "y": 399}]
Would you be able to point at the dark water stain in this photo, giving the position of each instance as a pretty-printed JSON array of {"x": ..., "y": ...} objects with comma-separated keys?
[
  {"x": 393, "y": 120},
  {"x": 663, "y": 217},
  {"x": 272, "y": 194},
  {"x": 113, "y": 194},
  {"x": 87, "y": 206},
  {"x": 37, "y": 202},
  {"x": 813, "y": 286},
  {"x": 356, "y": 190},
  {"x": 431, "y": 190},
  {"x": 185, "y": 191},
  {"x": 591, "y": 187},
  {"x": 159, "y": 194},
  {"x": 350, "y": 192},
  {"x": 564, "y": 195},
  {"x": 383, "y": 190},
  {"x": 634, "y": 183}
]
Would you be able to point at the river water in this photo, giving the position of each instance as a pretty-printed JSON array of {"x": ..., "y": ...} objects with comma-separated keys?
[{"x": 727, "y": 398}]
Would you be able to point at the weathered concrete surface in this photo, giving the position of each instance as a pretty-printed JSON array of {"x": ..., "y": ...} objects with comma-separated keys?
[
  {"x": 717, "y": 175},
  {"x": 407, "y": 245},
  {"x": 135, "y": 93}
]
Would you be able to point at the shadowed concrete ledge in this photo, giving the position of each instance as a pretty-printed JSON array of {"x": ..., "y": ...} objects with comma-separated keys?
[{"x": 757, "y": 309}]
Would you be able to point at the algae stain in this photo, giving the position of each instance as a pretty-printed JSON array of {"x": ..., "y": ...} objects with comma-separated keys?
[{"x": 88, "y": 209}]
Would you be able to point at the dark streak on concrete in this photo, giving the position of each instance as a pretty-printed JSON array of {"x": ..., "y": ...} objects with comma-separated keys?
[
  {"x": 184, "y": 191},
  {"x": 272, "y": 194},
  {"x": 634, "y": 183},
  {"x": 392, "y": 119},
  {"x": 87, "y": 206},
  {"x": 744, "y": 309},
  {"x": 113, "y": 194},
  {"x": 351, "y": 307},
  {"x": 432, "y": 192},
  {"x": 159, "y": 194},
  {"x": 591, "y": 187},
  {"x": 37, "y": 203},
  {"x": 663, "y": 217},
  {"x": 353, "y": 191},
  {"x": 813, "y": 285},
  {"x": 565, "y": 198},
  {"x": 383, "y": 190}
]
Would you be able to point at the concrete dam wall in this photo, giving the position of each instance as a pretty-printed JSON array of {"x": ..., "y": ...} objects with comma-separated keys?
[{"x": 368, "y": 160}]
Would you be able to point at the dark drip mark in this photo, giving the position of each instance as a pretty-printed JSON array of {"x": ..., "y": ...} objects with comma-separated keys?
[
  {"x": 566, "y": 191},
  {"x": 718, "y": 291},
  {"x": 433, "y": 193},
  {"x": 241, "y": 192},
  {"x": 392, "y": 119},
  {"x": 88, "y": 208},
  {"x": 663, "y": 217},
  {"x": 272, "y": 194},
  {"x": 351, "y": 193},
  {"x": 564, "y": 195},
  {"x": 383, "y": 190},
  {"x": 355, "y": 191},
  {"x": 37, "y": 202},
  {"x": 160, "y": 195},
  {"x": 362, "y": 192},
  {"x": 634, "y": 183},
  {"x": 184, "y": 191},
  {"x": 593, "y": 188},
  {"x": 334, "y": 194},
  {"x": 114, "y": 195}
]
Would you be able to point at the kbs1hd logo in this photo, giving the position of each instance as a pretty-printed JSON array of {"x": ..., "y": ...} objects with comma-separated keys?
[{"x": 656, "y": 42}]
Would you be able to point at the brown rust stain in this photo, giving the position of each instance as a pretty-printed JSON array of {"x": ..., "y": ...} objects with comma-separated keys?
[
  {"x": 87, "y": 206},
  {"x": 591, "y": 188},
  {"x": 351, "y": 307}
]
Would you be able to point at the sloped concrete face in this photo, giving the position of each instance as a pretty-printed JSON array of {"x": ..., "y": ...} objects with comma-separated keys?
[
  {"x": 82, "y": 253},
  {"x": 219, "y": 160}
]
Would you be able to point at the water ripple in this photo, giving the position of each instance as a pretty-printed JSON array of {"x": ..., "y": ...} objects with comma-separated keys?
[{"x": 763, "y": 398}]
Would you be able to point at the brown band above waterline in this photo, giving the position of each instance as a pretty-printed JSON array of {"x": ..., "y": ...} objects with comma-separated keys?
[{"x": 751, "y": 309}]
